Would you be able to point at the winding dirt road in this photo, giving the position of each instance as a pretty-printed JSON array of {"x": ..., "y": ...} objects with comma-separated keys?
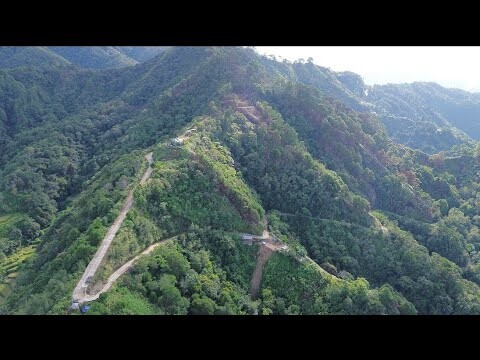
[
  {"x": 80, "y": 292},
  {"x": 122, "y": 270}
]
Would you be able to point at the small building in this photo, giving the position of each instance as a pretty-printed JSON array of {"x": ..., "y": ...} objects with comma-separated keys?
[
  {"x": 177, "y": 142},
  {"x": 75, "y": 305},
  {"x": 189, "y": 131},
  {"x": 247, "y": 239}
]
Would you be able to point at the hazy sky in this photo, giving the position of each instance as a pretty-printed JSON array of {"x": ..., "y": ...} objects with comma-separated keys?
[{"x": 449, "y": 66}]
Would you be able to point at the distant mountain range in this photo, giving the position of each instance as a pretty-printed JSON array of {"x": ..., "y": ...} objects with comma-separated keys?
[
  {"x": 422, "y": 115},
  {"x": 92, "y": 57}
]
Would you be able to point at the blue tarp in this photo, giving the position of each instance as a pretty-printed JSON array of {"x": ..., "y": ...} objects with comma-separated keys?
[{"x": 84, "y": 309}]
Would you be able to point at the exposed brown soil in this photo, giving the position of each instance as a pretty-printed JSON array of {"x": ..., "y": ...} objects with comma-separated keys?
[
  {"x": 251, "y": 112},
  {"x": 263, "y": 255}
]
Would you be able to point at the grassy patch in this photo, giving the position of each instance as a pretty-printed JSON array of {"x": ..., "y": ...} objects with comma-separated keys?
[
  {"x": 11, "y": 263},
  {"x": 121, "y": 301}
]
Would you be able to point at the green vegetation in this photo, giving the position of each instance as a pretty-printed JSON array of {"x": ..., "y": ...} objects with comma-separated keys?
[
  {"x": 136, "y": 234},
  {"x": 140, "y": 53},
  {"x": 185, "y": 278},
  {"x": 9, "y": 267},
  {"x": 287, "y": 281},
  {"x": 6, "y": 287},
  {"x": 11, "y": 263},
  {"x": 428, "y": 116},
  {"x": 121, "y": 301},
  {"x": 424, "y": 116},
  {"x": 186, "y": 189},
  {"x": 69, "y": 243},
  {"x": 286, "y": 177},
  {"x": 16, "y": 56},
  {"x": 388, "y": 256},
  {"x": 94, "y": 57},
  {"x": 16, "y": 231},
  {"x": 373, "y": 226}
]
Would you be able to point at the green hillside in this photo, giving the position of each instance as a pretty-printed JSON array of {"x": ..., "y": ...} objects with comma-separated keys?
[
  {"x": 424, "y": 116},
  {"x": 141, "y": 53},
  {"x": 88, "y": 57},
  {"x": 357, "y": 223},
  {"x": 18, "y": 56},
  {"x": 94, "y": 57}
]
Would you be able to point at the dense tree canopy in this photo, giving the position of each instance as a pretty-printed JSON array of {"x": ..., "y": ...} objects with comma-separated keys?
[{"x": 372, "y": 226}]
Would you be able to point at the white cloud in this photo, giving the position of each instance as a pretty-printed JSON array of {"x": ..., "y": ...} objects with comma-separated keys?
[{"x": 448, "y": 66}]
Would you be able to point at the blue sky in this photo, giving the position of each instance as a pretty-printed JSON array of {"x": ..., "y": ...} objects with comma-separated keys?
[{"x": 449, "y": 66}]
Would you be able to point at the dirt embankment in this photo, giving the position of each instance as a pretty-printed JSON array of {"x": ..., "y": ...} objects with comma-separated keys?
[{"x": 263, "y": 255}]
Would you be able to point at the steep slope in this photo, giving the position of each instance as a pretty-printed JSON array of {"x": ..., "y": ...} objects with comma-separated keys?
[
  {"x": 194, "y": 188},
  {"x": 255, "y": 145},
  {"x": 352, "y": 144},
  {"x": 59, "y": 126},
  {"x": 17, "y": 56},
  {"x": 429, "y": 103},
  {"x": 94, "y": 57},
  {"x": 90, "y": 57},
  {"x": 324, "y": 79},
  {"x": 141, "y": 53},
  {"x": 424, "y": 116},
  {"x": 46, "y": 151}
]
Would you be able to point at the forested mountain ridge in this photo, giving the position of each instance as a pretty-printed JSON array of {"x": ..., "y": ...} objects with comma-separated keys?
[
  {"x": 141, "y": 53},
  {"x": 396, "y": 229},
  {"x": 16, "y": 56},
  {"x": 90, "y": 57},
  {"x": 424, "y": 116}
]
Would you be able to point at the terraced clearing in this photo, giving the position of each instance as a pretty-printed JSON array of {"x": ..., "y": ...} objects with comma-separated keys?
[
  {"x": 11, "y": 263},
  {"x": 9, "y": 267}
]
